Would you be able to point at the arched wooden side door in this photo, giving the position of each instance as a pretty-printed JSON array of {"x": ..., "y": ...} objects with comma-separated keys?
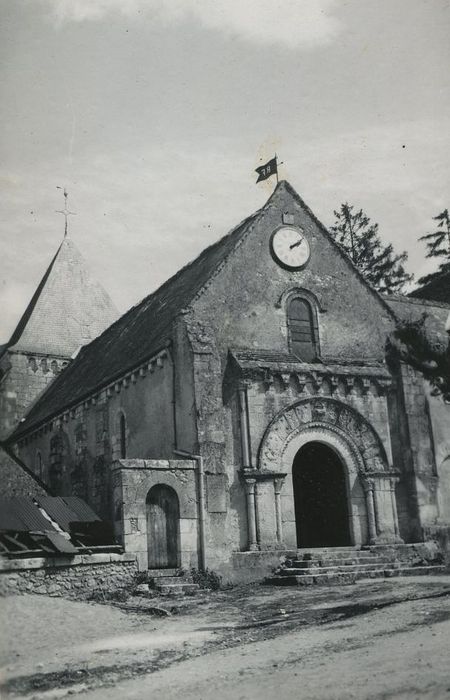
[{"x": 163, "y": 528}]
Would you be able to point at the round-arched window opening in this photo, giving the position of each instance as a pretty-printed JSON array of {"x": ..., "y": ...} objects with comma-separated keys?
[
  {"x": 123, "y": 436},
  {"x": 302, "y": 341},
  {"x": 39, "y": 465}
]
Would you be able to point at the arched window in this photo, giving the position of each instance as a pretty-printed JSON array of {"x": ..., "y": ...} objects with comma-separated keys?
[
  {"x": 55, "y": 473},
  {"x": 123, "y": 436},
  {"x": 302, "y": 340},
  {"x": 38, "y": 465}
]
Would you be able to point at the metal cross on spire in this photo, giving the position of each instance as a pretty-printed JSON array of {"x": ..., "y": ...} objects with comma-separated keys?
[{"x": 65, "y": 212}]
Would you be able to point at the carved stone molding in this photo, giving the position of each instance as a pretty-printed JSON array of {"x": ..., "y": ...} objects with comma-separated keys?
[{"x": 337, "y": 423}]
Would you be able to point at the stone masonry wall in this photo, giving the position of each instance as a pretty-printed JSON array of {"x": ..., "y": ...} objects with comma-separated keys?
[
  {"x": 16, "y": 481},
  {"x": 23, "y": 378},
  {"x": 422, "y": 456},
  {"x": 132, "y": 481},
  {"x": 244, "y": 306},
  {"x": 245, "y": 302},
  {"x": 77, "y": 449},
  {"x": 77, "y": 577}
]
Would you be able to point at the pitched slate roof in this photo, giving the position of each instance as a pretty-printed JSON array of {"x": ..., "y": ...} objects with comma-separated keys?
[
  {"x": 438, "y": 289},
  {"x": 17, "y": 478},
  {"x": 136, "y": 336},
  {"x": 412, "y": 309},
  {"x": 68, "y": 309},
  {"x": 145, "y": 329}
]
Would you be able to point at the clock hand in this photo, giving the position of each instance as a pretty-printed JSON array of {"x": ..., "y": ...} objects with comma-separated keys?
[{"x": 297, "y": 243}]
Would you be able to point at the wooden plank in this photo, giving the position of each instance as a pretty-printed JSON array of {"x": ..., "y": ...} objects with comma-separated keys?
[{"x": 163, "y": 528}]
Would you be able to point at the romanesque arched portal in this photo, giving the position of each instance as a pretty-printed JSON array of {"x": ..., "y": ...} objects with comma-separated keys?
[{"x": 368, "y": 475}]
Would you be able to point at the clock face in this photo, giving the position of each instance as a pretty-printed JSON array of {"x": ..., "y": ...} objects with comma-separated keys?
[{"x": 290, "y": 248}]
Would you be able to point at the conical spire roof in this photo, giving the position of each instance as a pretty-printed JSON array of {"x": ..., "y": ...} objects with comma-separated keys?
[{"x": 68, "y": 309}]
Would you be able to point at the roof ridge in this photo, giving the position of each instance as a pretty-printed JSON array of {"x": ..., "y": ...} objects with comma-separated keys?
[
  {"x": 149, "y": 297},
  {"x": 159, "y": 296},
  {"x": 406, "y": 299},
  {"x": 170, "y": 280},
  {"x": 344, "y": 255}
]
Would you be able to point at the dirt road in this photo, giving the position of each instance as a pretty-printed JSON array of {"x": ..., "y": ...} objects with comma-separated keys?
[{"x": 375, "y": 640}]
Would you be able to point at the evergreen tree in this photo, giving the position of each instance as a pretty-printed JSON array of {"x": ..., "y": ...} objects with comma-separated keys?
[
  {"x": 378, "y": 263},
  {"x": 438, "y": 245}
]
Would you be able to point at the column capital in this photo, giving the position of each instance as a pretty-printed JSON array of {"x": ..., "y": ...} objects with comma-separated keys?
[
  {"x": 250, "y": 484},
  {"x": 278, "y": 483},
  {"x": 243, "y": 384},
  {"x": 368, "y": 484}
]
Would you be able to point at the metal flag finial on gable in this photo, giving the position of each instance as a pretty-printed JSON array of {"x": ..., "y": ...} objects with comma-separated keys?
[
  {"x": 267, "y": 170},
  {"x": 65, "y": 212}
]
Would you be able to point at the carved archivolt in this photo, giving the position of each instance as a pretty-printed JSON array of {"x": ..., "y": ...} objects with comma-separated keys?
[{"x": 336, "y": 422}]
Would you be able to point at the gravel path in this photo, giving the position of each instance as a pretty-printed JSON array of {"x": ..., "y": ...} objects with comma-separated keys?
[{"x": 371, "y": 640}]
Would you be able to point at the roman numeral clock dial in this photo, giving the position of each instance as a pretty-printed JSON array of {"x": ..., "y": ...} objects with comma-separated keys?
[{"x": 290, "y": 248}]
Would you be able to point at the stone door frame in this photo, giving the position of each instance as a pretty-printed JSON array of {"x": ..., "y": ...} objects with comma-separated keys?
[
  {"x": 371, "y": 479},
  {"x": 345, "y": 452}
]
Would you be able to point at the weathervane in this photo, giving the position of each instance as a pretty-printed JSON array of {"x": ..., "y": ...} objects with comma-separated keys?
[{"x": 65, "y": 211}]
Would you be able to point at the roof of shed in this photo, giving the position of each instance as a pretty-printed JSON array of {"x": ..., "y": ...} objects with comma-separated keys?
[
  {"x": 23, "y": 513},
  {"x": 51, "y": 525}
]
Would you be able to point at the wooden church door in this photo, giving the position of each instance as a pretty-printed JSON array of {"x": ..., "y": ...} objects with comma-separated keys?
[{"x": 163, "y": 527}]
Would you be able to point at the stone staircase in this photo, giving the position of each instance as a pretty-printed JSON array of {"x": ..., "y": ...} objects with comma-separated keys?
[
  {"x": 342, "y": 565},
  {"x": 173, "y": 582}
]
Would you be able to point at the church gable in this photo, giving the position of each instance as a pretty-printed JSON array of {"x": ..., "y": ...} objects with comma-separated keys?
[
  {"x": 238, "y": 287},
  {"x": 324, "y": 309}
]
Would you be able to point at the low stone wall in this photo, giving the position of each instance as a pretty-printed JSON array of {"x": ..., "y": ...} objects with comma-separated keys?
[
  {"x": 74, "y": 577},
  {"x": 441, "y": 535},
  {"x": 250, "y": 567}
]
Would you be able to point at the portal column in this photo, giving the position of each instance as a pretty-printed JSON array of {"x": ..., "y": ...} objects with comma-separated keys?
[
  {"x": 368, "y": 486},
  {"x": 244, "y": 426},
  {"x": 278, "y": 485},
  {"x": 251, "y": 517},
  {"x": 393, "y": 482}
]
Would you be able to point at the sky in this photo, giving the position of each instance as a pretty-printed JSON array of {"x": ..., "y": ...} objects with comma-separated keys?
[{"x": 154, "y": 114}]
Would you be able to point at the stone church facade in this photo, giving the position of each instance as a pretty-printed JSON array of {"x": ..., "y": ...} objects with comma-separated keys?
[{"x": 247, "y": 408}]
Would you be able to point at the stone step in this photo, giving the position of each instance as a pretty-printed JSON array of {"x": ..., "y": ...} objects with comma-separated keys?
[
  {"x": 348, "y": 577},
  {"x": 369, "y": 556},
  {"x": 402, "y": 547},
  {"x": 309, "y": 579},
  {"x": 312, "y": 570},
  {"x": 156, "y": 581},
  {"x": 343, "y": 561},
  {"x": 158, "y": 573},
  {"x": 176, "y": 588},
  {"x": 345, "y": 548},
  {"x": 429, "y": 570}
]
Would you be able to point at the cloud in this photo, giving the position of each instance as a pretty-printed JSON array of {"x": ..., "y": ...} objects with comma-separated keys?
[{"x": 290, "y": 23}]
